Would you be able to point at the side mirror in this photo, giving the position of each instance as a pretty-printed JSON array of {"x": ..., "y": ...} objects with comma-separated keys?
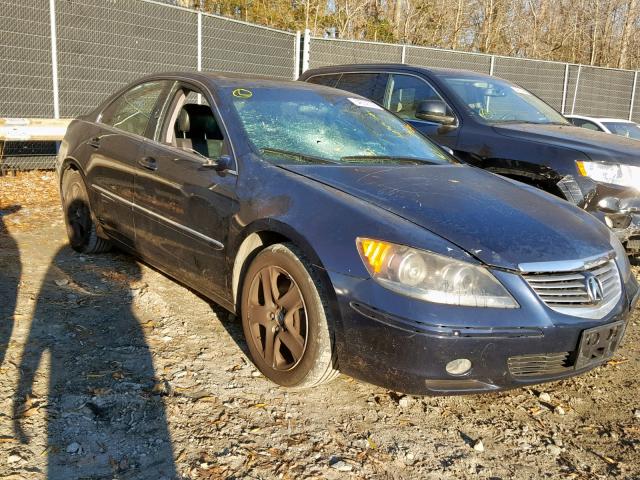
[
  {"x": 223, "y": 163},
  {"x": 434, "y": 111}
]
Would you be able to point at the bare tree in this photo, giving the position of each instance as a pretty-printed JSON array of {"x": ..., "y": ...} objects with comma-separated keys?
[{"x": 596, "y": 32}]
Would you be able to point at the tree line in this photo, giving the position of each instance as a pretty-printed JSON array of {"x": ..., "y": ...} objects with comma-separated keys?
[{"x": 591, "y": 32}]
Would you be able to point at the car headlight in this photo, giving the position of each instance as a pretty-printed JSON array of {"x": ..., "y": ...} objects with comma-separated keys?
[
  {"x": 622, "y": 258},
  {"x": 615, "y": 173},
  {"x": 432, "y": 277}
]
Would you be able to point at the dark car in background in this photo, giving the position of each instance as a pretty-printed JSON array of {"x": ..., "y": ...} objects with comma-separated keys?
[
  {"x": 503, "y": 128},
  {"x": 343, "y": 238}
]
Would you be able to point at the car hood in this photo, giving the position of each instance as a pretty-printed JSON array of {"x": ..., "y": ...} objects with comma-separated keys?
[
  {"x": 596, "y": 145},
  {"x": 501, "y": 222}
]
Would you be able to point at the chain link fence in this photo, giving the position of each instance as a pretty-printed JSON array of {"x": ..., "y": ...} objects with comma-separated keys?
[
  {"x": 102, "y": 46},
  {"x": 323, "y": 52},
  {"x": 568, "y": 88},
  {"x": 25, "y": 50},
  {"x": 635, "y": 114},
  {"x": 602, "y": 92},
  {"x": 432, "y": 57},
  {"x": 63, "y": 61},
  {"x": 61, "y": 58}
]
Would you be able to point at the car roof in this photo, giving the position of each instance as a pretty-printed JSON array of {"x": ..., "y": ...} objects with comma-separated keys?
[
  {"x": 397, "y": 67},
  {"x": 601, "y": 119},
  {"x": 222, "y": 80}
]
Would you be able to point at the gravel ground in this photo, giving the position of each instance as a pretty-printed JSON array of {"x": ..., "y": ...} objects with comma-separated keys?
[{"x": 112, "y": 370}]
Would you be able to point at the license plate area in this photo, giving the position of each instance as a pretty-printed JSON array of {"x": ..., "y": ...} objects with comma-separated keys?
[{"x": 599, "y": 343}]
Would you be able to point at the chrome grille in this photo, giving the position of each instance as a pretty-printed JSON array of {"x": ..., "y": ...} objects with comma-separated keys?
[
  {"x": 566, "y": 291},
  {"x": 538, "y": 364}
]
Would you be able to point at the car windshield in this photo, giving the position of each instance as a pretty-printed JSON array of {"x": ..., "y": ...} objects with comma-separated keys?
[
  {"x": 624, "y": 129},
  {"x": 497, "y": 101},
  {"x": 303, "y": 125}
]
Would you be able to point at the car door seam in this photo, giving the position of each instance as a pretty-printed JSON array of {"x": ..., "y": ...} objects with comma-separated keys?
[{"x": 216, "y": 243}]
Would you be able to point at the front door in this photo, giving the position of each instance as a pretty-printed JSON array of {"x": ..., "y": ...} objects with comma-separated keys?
[
  {"x": 183, "y": 205},
  {"x": 404, "y": 93}
]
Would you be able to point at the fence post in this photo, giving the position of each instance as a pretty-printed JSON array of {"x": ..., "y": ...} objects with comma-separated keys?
[
  {"x": 296, "y": 55},
  {"x": 199, "y": 41},
  {"x": 54, "y": 58},
  {"x": 564, "y": 88},
  {"x": 633, "y": 94},
  {"x": 403, "y": 56},
  {"x": 575, "y": 90},
  {"x": 492, "y": 64},
  {"x": 305, "y": 50}
]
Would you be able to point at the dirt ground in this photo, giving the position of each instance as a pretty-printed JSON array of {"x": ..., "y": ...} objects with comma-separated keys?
[{"x": 112, "y": 370}]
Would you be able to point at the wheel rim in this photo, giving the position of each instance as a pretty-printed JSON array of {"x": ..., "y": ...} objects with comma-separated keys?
[{"x": 277, "y": 318}]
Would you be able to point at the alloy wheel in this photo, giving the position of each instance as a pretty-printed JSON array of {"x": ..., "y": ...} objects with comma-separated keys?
[{"x": 277, "y": 318}]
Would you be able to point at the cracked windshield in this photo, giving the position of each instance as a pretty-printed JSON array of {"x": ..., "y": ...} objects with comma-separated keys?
[{"x": 304, "y": 126}]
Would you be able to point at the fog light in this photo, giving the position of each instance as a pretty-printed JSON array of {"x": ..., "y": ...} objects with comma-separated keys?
[{"x": 459, "y": 366}]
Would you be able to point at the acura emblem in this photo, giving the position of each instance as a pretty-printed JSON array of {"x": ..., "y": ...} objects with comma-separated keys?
[{"x": 594, "y": 288}]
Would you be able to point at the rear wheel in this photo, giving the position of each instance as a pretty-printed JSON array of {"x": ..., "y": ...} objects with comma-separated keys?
[
  {"x": 81, "y": 228},
  {"x": 285, "y": 319}
]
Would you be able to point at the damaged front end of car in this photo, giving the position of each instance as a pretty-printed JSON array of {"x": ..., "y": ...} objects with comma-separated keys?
[{"x": 618, "y": 206}]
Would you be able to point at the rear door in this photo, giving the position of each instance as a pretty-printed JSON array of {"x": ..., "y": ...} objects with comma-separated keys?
[
  {"x": 183, "y": 206},
  {"x": 403, "y": 94},
  {"x": 368, "y": 84},
  {"x": 116, "y": 148}
]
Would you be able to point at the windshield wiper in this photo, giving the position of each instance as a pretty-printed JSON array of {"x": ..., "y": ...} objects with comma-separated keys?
[
  {"x": 296, "y": 156},
  {"x": 385, "y": 158}
]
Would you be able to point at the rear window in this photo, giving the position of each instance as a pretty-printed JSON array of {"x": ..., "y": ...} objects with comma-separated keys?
[{"x": 131, "y": 112}]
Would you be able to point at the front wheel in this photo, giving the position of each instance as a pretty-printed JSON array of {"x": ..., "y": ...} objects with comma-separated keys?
[{"x": 286, "y": 320}]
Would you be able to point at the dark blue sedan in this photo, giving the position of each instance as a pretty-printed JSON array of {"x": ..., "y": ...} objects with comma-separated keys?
[{"x": 343, "y": 238}]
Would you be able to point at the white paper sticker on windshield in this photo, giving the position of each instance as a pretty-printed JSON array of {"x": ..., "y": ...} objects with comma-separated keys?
[
  {"x": 521, "y": 91},
  {"x": 361, "y": 102}
]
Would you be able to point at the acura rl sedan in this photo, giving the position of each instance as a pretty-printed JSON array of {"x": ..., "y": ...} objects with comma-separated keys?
[{"x": 343, "y": 238}]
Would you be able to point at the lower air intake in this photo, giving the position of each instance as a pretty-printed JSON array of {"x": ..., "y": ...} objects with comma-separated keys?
[{"x": 539, "y": 364}]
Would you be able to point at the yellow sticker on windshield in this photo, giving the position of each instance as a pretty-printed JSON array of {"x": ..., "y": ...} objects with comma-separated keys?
[{"x": 242, "y": 93}]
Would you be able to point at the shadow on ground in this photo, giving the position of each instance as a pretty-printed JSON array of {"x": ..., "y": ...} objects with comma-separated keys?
[
  {"x": 10, "y": 270},
  {"x": 105, "y": 415}
]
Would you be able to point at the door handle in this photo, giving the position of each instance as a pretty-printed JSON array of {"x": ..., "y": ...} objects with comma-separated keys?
[
  {"x": 94, "y": 142},
  {"x": 149, "y": 163}
]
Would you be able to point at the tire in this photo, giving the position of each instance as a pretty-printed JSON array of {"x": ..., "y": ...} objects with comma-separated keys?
[
  {"x": 78, "y": 218},
  {"x": 294, "y": 319}
]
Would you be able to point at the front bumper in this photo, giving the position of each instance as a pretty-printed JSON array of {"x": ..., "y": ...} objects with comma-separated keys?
[{"x": 402, "y": 344}]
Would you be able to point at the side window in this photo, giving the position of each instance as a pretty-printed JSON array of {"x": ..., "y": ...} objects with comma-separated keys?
[
  {"x": 326, "y": 80},
  {"x": 370, "y": 85},
  {"x": 132, "y": 111},
  {"x": 406, "y": 92},
  {"x": 591, "y": 126},
  {"x": 190, "y": 125}
]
